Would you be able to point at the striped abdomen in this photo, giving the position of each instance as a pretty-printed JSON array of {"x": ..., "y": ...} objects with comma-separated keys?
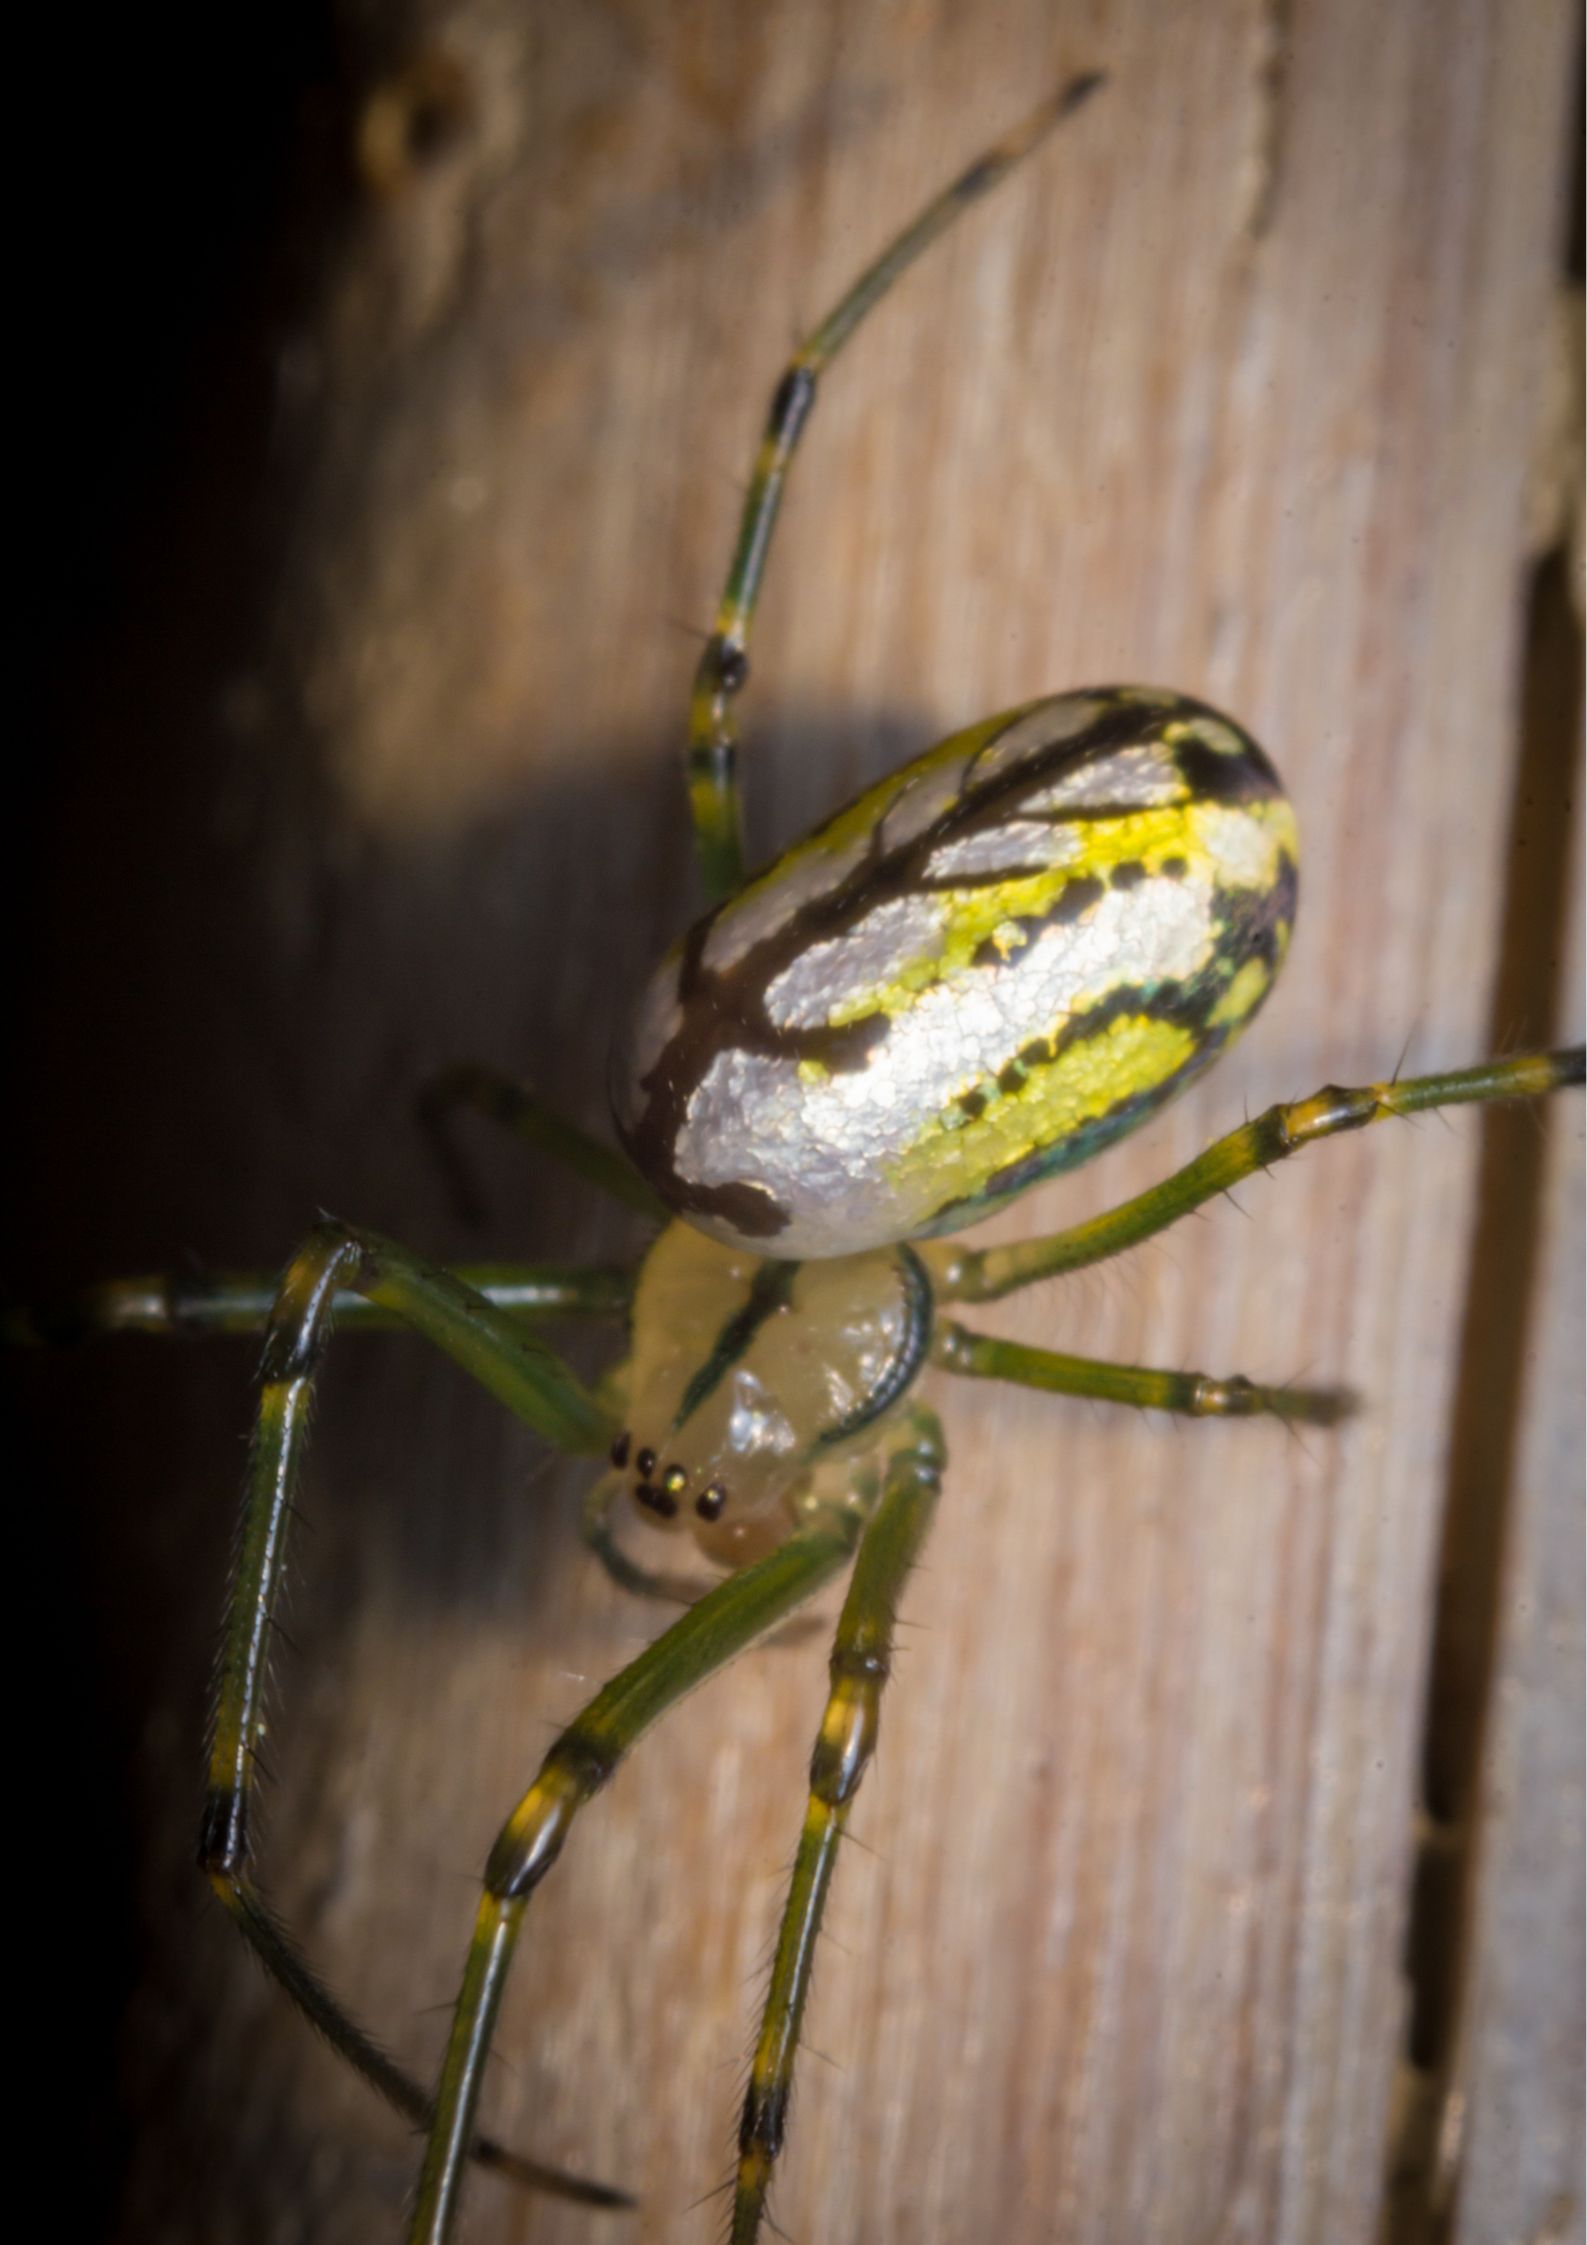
[{"x": 981, "y": 971}]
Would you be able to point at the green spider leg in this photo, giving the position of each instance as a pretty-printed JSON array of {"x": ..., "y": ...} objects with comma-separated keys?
[
  {"x": 504, "y": 1099},
  {"x": 723, "y": 669},
  {"x": 168, "y": 1303},
  {"x": 492, "y": 1092},
  {"x": 1195, "y": 1395},
  {"x": 492, "y": 1347},
  {"x": 964, "y": 1274},
  {"x": 860, "y": 1664},
  {"x": 729, "y": 1617}
]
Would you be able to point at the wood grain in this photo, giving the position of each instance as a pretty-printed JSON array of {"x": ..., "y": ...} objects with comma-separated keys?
[{"x": 1234, "y": 388}]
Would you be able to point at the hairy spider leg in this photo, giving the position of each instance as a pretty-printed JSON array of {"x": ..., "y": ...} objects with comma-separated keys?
[
  {"x": 492, "y": 1347},
  {"x": 170, "y": 1303},
  {"x": 860, "y": 1664},
  {"x": 1195, "y": 1395},
  {"x": 715, "y": 806},
  {"x": 966, "y": 1274},
  {"x": 493, "y": 1093},
  {"x": 721, "y": 1624}
]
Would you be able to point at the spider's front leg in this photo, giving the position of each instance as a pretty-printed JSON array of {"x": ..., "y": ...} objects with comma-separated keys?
[
  {"x": 755, "y": 1395},
  {"x": 172, "y": 1304},
  {"x": 860, "y": 1664},
  {"x": 493, "y": 1348},
  {"x": 723, "y": 1622}
]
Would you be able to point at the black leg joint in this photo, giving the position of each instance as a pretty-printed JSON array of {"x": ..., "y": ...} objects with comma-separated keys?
[
  {"x": 791, "y": 402},
  {"x": 765, "y": 2119},
  {"x": 726, "y": 665},
  {"x": 575, "y": 1768},
  {"x": 223, "y": 1832}
]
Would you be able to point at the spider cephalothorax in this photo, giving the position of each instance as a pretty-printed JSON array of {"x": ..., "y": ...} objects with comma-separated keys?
[{"x": 752, "y": 1387}]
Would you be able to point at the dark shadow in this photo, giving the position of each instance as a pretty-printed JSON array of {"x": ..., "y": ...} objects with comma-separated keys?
[{"x": 229, "y": 1001}]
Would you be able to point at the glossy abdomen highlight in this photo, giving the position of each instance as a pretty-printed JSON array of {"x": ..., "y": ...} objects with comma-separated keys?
[{"x": 983, "y": 970}]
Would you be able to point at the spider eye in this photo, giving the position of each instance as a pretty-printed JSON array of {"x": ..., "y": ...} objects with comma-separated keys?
[
  {"x": 646, "y": 1464},
  {"x": 712, "y": 1502},
  {"x": 619, "y": 1450},
  {"x": 657, "y": 1499}
]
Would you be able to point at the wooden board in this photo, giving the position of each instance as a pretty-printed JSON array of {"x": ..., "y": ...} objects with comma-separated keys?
[
  {"x": 1512, "y": 2157},
  {"x": 1235, "y": 387}
]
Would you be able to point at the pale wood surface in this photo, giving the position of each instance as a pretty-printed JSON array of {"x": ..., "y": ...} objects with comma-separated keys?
[
  {"x": 1519, "y": 2075},
  {"x": 1233, "y": 388}
]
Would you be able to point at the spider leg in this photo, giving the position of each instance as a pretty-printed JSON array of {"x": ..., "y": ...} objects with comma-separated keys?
[
  {"x": 861, "y": 1658},
  {"x": 492, "y": 1346},
  {"x": 292, "y": 1971},
  {"x": 982, "y": 1356},
  {"x": 655, "y": 1582},
  {"x": 169, "y": 1303},
  {"x": 492, "y": 1092},
  {"x": 729, "y": 1617},
  {"x": 962, "y": 1274},
  {"x": 712, "y": 755}
]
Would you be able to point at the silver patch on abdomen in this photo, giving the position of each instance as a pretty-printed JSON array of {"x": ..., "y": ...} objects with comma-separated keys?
[{"x": 823, "y": 1148}]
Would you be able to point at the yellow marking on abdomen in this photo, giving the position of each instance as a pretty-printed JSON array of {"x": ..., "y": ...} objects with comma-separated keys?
[{"x": 1134, "y": 1054}]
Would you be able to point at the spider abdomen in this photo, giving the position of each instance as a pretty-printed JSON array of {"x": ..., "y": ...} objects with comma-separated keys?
[{"x": 983, "y": 970}]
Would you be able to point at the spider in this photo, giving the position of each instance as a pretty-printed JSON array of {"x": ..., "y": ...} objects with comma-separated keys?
[{"x": 771, "y": 1400}]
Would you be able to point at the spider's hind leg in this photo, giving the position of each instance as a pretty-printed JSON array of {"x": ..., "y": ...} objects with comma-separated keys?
[
  {"x": 470, "y": 1086},
  {"x": 962, "y": 1274},
  {"x": 860, "y": 1663},
  {"x": 1195, "y": 1395},
  {"x": 711, "y": 767}
]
